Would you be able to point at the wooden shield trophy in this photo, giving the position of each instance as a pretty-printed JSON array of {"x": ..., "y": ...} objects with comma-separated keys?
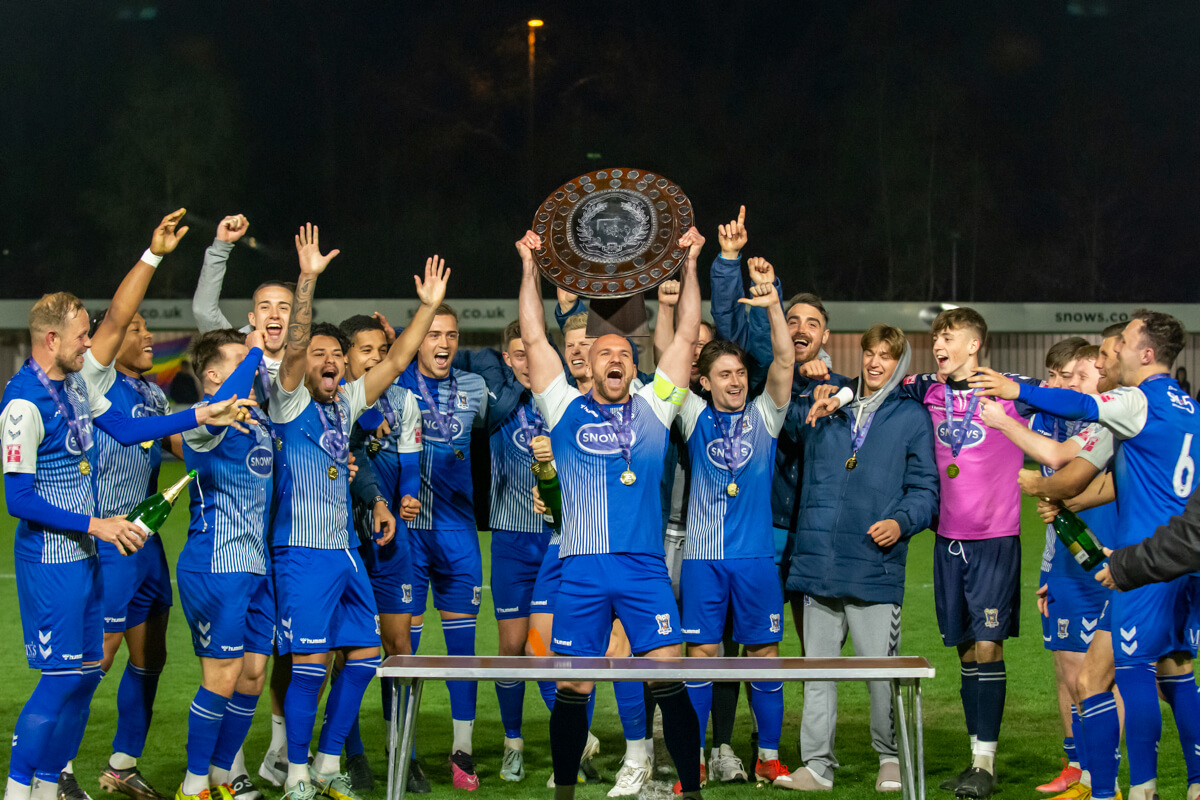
[{"x": 612, "y": 235}]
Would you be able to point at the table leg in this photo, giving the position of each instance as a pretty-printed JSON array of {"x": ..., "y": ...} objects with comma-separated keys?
[
  {"x": 920, "y": 724},
  {"x": 903, "y": 743},
  {"x": 410, "y": 730},
  {"x": 394, "y": 780}
]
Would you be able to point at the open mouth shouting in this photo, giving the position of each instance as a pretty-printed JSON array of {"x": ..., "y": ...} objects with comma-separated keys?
[
  {"x": 614, "y": 379},
  {"x": 274, "y": 334},
  {"x": 329, "y": 379},
  {"x": 801, "y": 341},
  {"x": 441, "y": 359}
]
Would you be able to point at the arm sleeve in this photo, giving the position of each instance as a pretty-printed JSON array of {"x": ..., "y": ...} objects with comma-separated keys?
[
  {"x": 410, "y": 476},
  {"x": 1095, "y": 445},
  {"x": 206, "y": 306},
  {"x": 98, "y": 378},
  {"x": 665, "y": 398},
  {"x": 25, "y": 503},
  {"x": 561, "y": 318},
  {"x": 773, "y": 415},
  {"x": 286, "y": 406},
  {"x": 554, "y": 401},
  {"x": 409, "y": 440},
  {"x": 1173, "y": 551},
  {"x": 725, "y": 282},
  {"x": 1122, "y": 410},
  {"x": 130, "y": 430},
  {"x": 689, "y": 415},
  {"x": 917, "y": 508},
  {"x": 21, "y": 424},
  {"x": 241, "y": 380}
]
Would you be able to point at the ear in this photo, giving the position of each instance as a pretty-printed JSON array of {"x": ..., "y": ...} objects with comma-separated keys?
[
  {"x": 825, "y": 337},
  {"x": 705, "y": 384},
  {"x": 250, "y": 318},
  {"x": 504, "y": 355}
]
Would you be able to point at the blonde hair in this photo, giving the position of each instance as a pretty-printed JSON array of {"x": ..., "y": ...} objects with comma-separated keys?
[
  {"x": 53, "y": 311},
  {"x": 575, "y": 322}
]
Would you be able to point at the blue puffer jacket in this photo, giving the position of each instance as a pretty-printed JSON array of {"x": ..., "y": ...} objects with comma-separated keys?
[{"x": 896, "y": 478}]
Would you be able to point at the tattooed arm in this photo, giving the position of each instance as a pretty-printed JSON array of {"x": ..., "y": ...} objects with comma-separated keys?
[{"x": 312, "y": 264}]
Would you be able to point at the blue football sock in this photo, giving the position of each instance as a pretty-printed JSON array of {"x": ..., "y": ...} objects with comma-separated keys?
[
  {"x": 700, "y": 694},
  {"x": 234, "y": 727},
  {"x": 511, "y": 695},
  {"x": 992, "y": 687},
  {"x": 135, "y": 707},
  {"x": 68, "y": 733},
  {"x": 768, "y": 710},
  {"x": 1077, "y": 734},
  {"x": 300, "y": 709},
  {"x": 204, "y": 726},
  {"x": 1143, "y": 720},
  {"x": 1181, "y": 694},
  {"x": 1069, "y": 750},
  {"x": 631, "y": 708},
  {"x": 414, "y": 637},
  {"x": 460, "y": 641},
  {"x": 547, "y": 690},
  {"x": 1102, "y": 739},
  {"x": 345, "y": 699},
  {"x": 38, "y": 719},
  {"x": 969, "y": 692}
]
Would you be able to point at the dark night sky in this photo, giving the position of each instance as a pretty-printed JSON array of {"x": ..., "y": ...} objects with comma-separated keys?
[{"x": 1061, "y": 148}]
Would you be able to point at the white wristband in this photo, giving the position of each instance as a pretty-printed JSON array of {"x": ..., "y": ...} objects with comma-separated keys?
[{"x": 151, "y": 259}]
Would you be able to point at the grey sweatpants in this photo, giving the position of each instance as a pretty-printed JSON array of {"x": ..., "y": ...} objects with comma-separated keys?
[{"x": 875, "y": 631}]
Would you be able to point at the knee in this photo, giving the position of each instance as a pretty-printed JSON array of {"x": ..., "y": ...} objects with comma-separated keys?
[{"x": 576, "y": 687}]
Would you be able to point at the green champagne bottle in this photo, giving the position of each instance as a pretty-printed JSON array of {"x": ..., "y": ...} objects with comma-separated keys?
[
  {"x": 1078, "y": 538},
  {"x": 152, "y": 512},
  {"x": 549, "y": 491}
]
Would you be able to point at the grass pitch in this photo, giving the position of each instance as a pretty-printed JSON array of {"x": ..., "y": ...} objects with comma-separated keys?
[{"x": 1030, "y": 742}]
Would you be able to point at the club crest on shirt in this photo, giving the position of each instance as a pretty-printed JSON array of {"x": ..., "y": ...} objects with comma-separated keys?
[
  {"x": 774, "y": 623},
  {"x": 433, "y": 433},
  {"x": 664, "y": 623},
  {"x": 1063, "y": 628},
  {"x": 991, "y": 617},
  {"x": 716, "y": 453},
  {"x": 461, "y": 403},
  {"x": 260, "y": 461},
  {"x": 476, "y": 595},
  {"x": 600, "y": 439}
]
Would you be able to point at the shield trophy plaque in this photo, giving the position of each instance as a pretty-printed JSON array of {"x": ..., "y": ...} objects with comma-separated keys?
[{"x": 612, "y": 235}]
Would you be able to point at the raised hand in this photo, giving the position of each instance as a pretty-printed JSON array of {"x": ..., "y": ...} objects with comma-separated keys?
[
  {"x": 232, "y": 228},
  {"x": 167, "y": 235},
  {"x": 389, "y": 332},
  {"x": 815, "y": 369},
  {"x": 668, "y": 293},
  {"x": 989, "y": 383},
  {"x": 229, "y": 412},
  {"x": 694, "y": 241},
  {"x": 733, "y": 237},
  {"x": 255, "y": 339},
  {"x": 762, "y": 295},
  {"x": 824, "y": 404},
  {"x": 409, "y": 508},
  {"x": 527, "y": 244},
  {"x": 761, "y": 271},
  {"x": 992, "y": 414},
  {"x": 385, "y": 523},
  {"x": 127, "y": 536},
  {"x": 566, "y": 300},
  {"x": 308, "y": 248},
  {"x": 432, "y": 291}
]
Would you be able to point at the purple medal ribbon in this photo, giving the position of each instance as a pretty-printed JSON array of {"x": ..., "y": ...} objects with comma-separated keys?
[
  {"x": 444, "y": 422},
  {"x": 389, "y": 413},
  {"x": 538, "y": 428},
  {"x": 732, "y": 442},
  {"x": 958, "y": 435},
  {"x": 264, "y": 381},
  {"x": 859, "y": 431},
  {"x": 338, "y": 440},
  {"x": 67, "y": 411},
  {"x": 622, "y": 426},
  {"x": 139, "y": 386}
]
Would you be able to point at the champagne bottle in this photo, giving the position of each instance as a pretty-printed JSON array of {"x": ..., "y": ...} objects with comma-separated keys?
[
  {"x": 152, "y": 512},
  {"x": 1078, "y": 538},
  {"x": 549, "y": 491}
]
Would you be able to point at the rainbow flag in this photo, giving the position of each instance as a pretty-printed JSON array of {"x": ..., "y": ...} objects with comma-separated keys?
[{"x": 168, "y": 354}]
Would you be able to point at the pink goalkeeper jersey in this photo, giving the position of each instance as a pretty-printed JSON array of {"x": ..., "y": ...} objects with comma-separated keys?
[{"x": 984, "y": 500}]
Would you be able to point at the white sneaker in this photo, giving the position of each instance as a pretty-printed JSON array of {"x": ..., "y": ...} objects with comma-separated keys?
[
  {"x": 725, "y": 766},
  {"x": 631, "y": 777},
  {"x": 273, "y": 769}
]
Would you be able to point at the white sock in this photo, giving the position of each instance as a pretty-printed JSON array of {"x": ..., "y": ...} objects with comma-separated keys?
[
  {"x": 974, "y": 739},
  {"x": 278, "y": 734},
  {"x": 194, "y": 784},
  {"x": 297, "y": 773},
  {"x": 767, "y": 755},
  {"x": 514, "y": 744},
  {"x": 1086, "y": 778},
  {"x": 635, "y": 750},
  {"x": 16, "y": 791},
  {"x": 43, "y": 790},
  {"x": 326, "y": 764},
  {"x": 985, "y": 756},
  {"x": 217, "y": 776},
  {"x": 462, "y": 735},
  {"x": 70, "y": 768},
  {"x": 649, "y": 742},
  {"x": 1144, "y": 791},
  {"x": 239, "y": 763},
  {"x": 122, "y": 761}
]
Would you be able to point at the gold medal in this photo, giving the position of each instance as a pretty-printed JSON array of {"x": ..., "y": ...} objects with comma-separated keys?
[
  {"x": 628, "y": 478},
  {"x": 373, "y": 448},
  {"x": 953, "y": 470},
  {"x": 85, "y": 467},
  {"x": 333, "y": 472},
  {"x": 459, "y": 454},
  {"x": 147, "y": 445},
  {"x": 731, "y": 489},
  {"x": 278, "y": 443},
  {"x": 851, "y": 462}
]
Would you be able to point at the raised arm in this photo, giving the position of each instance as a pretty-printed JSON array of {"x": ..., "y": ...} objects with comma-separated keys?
[
  {"x": 1041, "y": 449},
  {"x": 206, "y": 302},
  {"x": 664, "y": 323},
  {"x": 763, "y": 295},
  {"x": 431, "y": 290},
  {"x": 729, "y": 318},
  {"x": 108, "y": 337},
  {"x": 676, "y": 361},
  {"x": 544, "y": 365},
  {"x": 312, "y": 264}
]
